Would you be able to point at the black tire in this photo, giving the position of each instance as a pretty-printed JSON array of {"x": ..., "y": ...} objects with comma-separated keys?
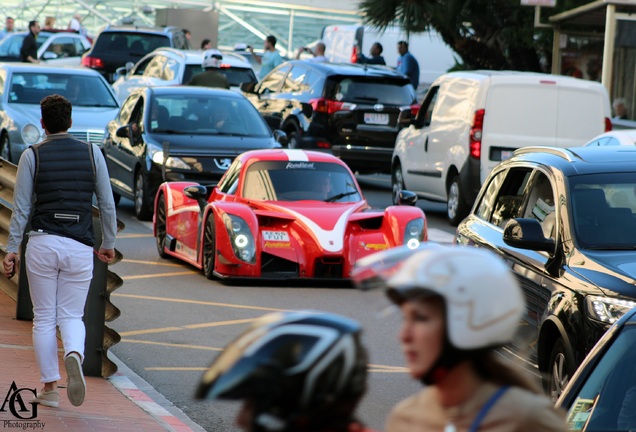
[
  {"x": 560, "y": 370},
  {"x": 397, "y": 182},
  {"x": 142, "y": 207},
  {"x": 5, "y": 148},
  {"x": 160, "y": 224},
  {"x": 293, "y": 136},
  {"x": 209, "y": 247},
  {"x": 116, "y": 198},
  {"x": 456, "y": 208}
]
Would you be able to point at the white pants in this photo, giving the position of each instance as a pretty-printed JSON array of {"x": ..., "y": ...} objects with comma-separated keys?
[{"x": 60, "y": 272}]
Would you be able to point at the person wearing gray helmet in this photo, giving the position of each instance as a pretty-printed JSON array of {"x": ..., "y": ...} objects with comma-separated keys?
[{"x": 458, "y": 305}]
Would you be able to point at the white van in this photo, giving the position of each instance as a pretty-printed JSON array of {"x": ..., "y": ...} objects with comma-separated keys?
[
  {"x": 470, "y": 121},
  {"x": 344, "y": 42}
]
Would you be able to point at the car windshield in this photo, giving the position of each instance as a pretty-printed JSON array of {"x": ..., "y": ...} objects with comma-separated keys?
[
  {"x": 295, "y": 181},
  {"x": 205, "y": 114},
  {"x": 363, "y": 90},
  {"x": 607, "y": 399},
  {"x": 603, "y": 209},
  {"x": 81, "y": 90},
  {"x": 10, "y": 46}
]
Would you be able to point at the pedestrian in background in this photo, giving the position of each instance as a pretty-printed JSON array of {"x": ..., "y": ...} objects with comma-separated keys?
[
  {"x": 375, "y": 55},
  {"x": 29, "y": 49},
  {"x": 8, "y": 27},
  {"x": 270, "y": 58},
  {"x": 458, "y": 305},
  {"x": 210, "y": 77},
  {"x": 206, "y": 44},
  {"x": 49, "y": 23},
  {"x": 301, "y": 371},
  {"x": 76, "y": 24},
  {"x": 187, "y": 35},
  {"x": 55, "y": 184},
  {"x": 407, "y": 65},
  {"x": 318, "y": 53}
]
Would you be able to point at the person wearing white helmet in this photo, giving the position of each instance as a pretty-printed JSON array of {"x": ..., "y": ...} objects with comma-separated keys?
[
  {"x": 211, "y": 77},
  {"x": 302, "y": 371},
  {"x": 458, "y": 305}
]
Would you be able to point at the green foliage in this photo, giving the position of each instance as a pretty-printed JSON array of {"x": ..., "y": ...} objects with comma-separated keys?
[{"x": 486, "y": 34}]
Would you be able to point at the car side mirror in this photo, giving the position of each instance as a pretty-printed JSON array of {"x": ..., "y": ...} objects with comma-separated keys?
[
  {"x": 123, "y": 131},
  {"x": 121, "y": 71},
  {"x": 280, "y": 137},
  {"x": 198, "y": 193},
  {"x": 307, "y": 109},
  {"x": 526, "y": 233},
  {"x": 49, "y": 55},
  {"x": 248, "y": 87},
  {"x": 406, "y": 197},
  {"x": 405, "y": 118}
]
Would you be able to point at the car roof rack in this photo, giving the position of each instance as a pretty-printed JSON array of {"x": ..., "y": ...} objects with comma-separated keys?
[{"x": 560, "y": 152}]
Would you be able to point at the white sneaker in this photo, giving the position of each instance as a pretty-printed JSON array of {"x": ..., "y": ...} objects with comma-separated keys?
[
  {"x": 48, "y": 398},
  {"x": 76, "y": 385}
]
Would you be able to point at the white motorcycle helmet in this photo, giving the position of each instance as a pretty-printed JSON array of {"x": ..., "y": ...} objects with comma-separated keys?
[
  {"x": 482, "y": 299},
  {"x": 212, "y": 58}
]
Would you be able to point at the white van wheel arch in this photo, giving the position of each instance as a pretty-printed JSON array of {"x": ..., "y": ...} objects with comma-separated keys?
[{"x": 456, "y": 208}]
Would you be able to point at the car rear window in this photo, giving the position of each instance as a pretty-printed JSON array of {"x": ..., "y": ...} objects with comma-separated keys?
[
  {"x": 363, "y": 90},
  {"x": 136, "y": 43},
  {"x": 235, "y": 75}
]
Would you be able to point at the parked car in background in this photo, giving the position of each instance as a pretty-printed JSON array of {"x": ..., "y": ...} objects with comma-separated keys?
[
  {"x": 470, "y": 121},
  {"x": 564, "y": 221},
  {"x": 614, "y": 138},
  {"x": 602, "y": 394},
  {"x": 280, "y": 214},
  {"x": 179, "y": 133},
  {"x": 349, "y": 109},
  {"x": 116, "y": 46},
  {"x": 169, "y": 66},
  {"x": 24, "y": 86},
  {"x": 56, "y": 49}
]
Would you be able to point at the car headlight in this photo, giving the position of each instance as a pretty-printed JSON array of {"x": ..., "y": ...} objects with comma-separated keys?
[
  {"x": 30, "y": 134},
  {"x": 414, "y": 233},
  {"x": 172, "y": 162},
  {"x": 241, "y": 238},
  {"x": 607, "y": 309}
]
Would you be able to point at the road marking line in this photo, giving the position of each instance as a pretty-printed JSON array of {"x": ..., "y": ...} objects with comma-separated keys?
[
  {"x": 150, "y": 276},
  {"x": 171, "y": 345},
  {"x": 197, "y": 369},
  {"x": 389, "y": 368},
  {"x": 167, "y": 264},
  {"x": 127, "y": 236},
  {"x": 438, "y": 236},
  {"x": 176, "y": 300},
  {"x": 187, "y": 327}
]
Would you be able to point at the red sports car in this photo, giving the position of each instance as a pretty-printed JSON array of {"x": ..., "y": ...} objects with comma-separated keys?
[{"x": 280, "y": 214}]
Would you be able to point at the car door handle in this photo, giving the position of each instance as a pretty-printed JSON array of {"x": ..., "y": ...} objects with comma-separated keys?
[
  {"x": 289, "y": 105},
  {"x": 265, "y": 104},
  {"x": 426, "y": 145}
]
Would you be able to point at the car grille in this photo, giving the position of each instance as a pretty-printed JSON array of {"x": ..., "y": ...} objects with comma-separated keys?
[
  {"x": 273, "y": 266},
  {"x": 92, "y": 137},
  {"x": 329, "y": 268}
]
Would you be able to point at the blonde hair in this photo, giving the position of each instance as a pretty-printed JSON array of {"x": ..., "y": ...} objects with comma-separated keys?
[{"x": 49, "y": 21}]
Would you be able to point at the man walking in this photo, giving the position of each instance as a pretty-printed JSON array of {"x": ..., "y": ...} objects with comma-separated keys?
[
  {"x": 270, "y": 58},
  {"x": 29, "y": 49},
  {"x": 407, "y": 64},
  {"x": 55, "y": 183}
]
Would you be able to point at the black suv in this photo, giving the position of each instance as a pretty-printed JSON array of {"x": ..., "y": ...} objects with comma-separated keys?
[
  {"x": 564, "y": 220},
  {"x": 116, "y": 46},
  {"x": 349, "y": 109}
]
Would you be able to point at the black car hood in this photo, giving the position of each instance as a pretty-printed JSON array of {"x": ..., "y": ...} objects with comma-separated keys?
[
  {"x": 212, "y": 144},
  {"x": 613, "y": 272}
]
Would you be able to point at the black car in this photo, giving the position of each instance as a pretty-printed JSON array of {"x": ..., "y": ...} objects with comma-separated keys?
[
  {"x": 116, "y": 46},
  {"x": 349, "y": 109},
  {"x": 179, "y": 133},
  {"x": 564, "y": 220},
  {"x": 602, "y": 394}
]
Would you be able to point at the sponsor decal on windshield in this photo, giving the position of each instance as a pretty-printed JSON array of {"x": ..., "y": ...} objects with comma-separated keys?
[{"x": 300, "y": 165}]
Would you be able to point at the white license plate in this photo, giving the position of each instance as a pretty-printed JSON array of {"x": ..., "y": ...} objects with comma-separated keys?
[
  {"x": 276, "y": 236},
  {"x": 374, "y": 118}
]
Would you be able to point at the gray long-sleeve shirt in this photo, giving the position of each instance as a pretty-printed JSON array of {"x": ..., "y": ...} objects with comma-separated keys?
[{"x": 23, "y": 198}]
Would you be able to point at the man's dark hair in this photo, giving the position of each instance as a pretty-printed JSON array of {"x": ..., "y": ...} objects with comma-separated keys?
[
  {"x": 186, "y": 31},
  {"x": 271, "y": 39},
  {"x": 405, "y": 44},
  {"x": 31, "y": 24},
  {"x": 379, "y": 45},
  {"x": 204, "y": 42},
  {"x": 56, "y": 113}
]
